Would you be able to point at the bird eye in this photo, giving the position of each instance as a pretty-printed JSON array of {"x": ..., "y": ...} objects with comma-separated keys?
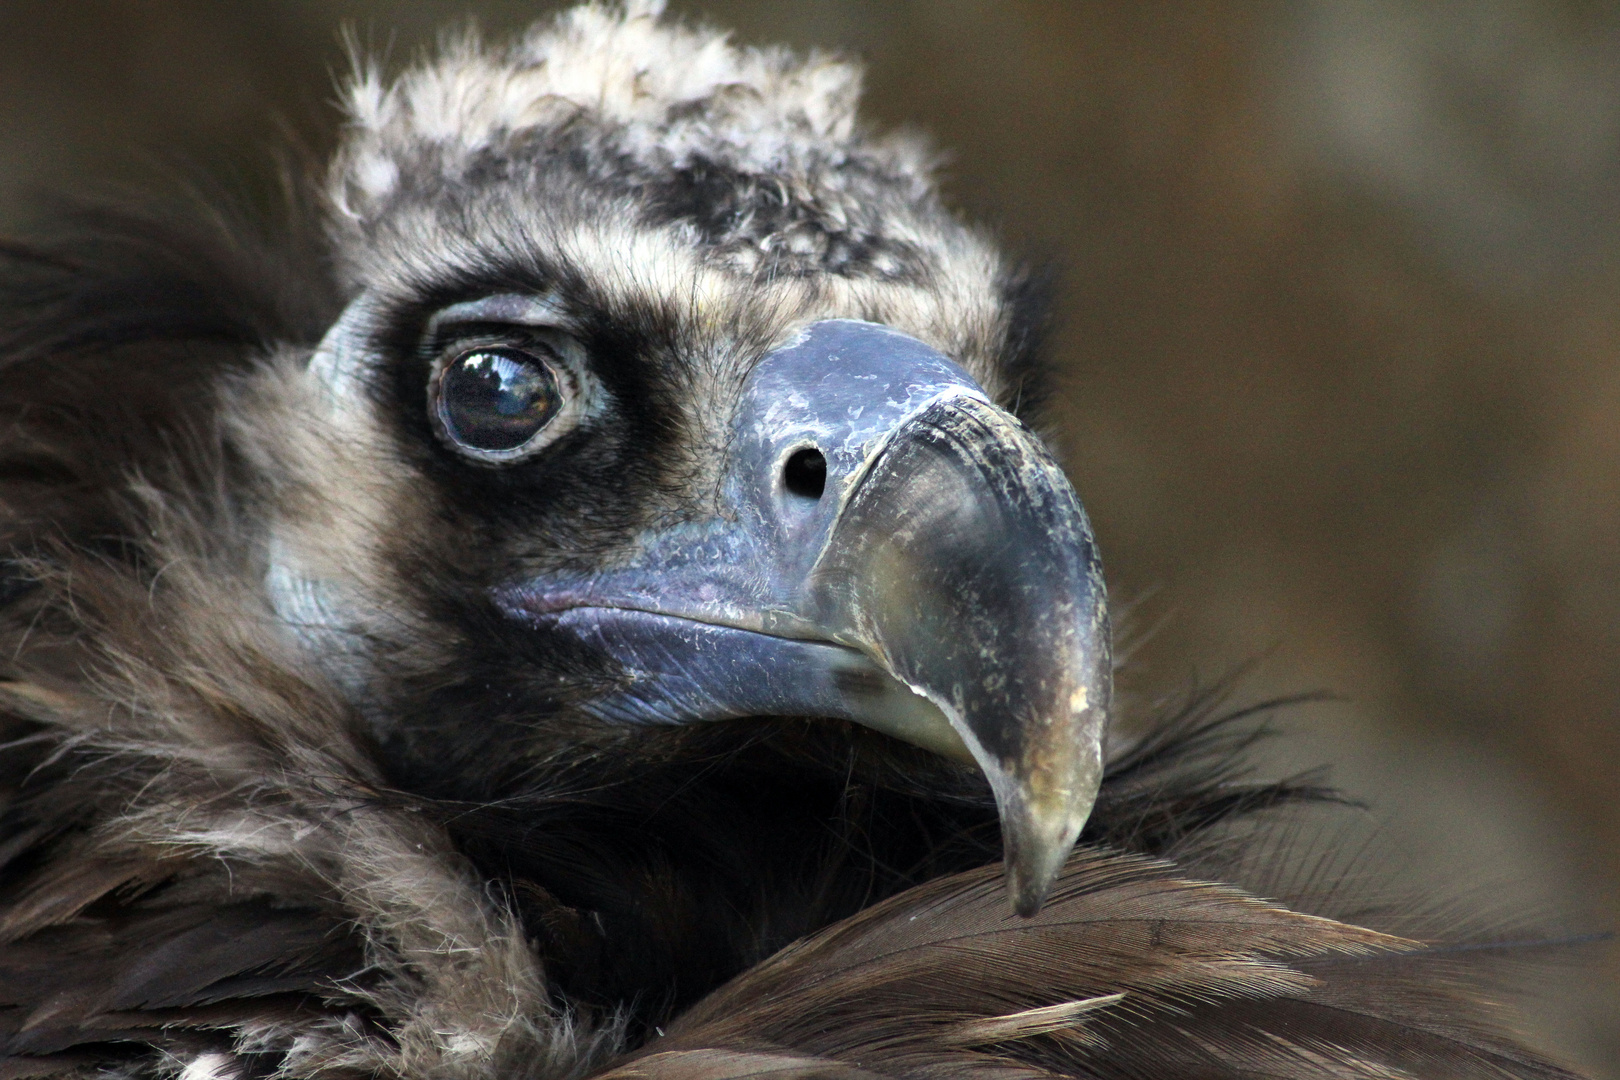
[{"x": 492, "y": 401}]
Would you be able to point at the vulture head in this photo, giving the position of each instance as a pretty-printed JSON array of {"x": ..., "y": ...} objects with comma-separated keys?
[
  {"x": 584, "y": 599},
  {"x": 666, "y": 394}
]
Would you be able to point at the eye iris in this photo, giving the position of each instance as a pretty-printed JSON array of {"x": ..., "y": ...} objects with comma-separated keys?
[{"x": 497, "y": 399}]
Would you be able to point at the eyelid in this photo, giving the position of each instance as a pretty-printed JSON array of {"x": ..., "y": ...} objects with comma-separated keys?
[
  {"x": 516, "y": 309},
  {"x": 480, "y": 319}
]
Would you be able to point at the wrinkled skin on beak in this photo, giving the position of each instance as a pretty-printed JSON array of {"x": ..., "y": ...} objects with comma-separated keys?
[{"x": 895, "y": 550}]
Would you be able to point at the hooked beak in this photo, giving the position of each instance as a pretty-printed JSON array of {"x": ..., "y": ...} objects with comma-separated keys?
[{"x": 895, "y": 550}]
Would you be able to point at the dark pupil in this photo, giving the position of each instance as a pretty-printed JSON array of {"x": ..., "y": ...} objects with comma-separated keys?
[{"x": 496, "y": 399}]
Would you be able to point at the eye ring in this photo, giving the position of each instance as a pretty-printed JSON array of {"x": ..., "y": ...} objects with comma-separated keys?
[{"x": 497, "y": 403}]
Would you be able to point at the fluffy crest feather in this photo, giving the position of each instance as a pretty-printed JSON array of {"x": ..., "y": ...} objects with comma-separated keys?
[{"x": 660, "y": 94}]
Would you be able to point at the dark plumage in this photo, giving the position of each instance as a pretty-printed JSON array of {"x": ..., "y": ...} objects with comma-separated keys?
[{"x": 303, "y": 778}]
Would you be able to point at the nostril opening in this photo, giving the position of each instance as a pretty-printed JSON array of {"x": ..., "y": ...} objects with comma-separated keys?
[{"x": 805, "y": 473}]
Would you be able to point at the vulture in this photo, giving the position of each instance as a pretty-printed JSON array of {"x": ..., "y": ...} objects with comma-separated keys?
[{"x": 583, "y": 597}]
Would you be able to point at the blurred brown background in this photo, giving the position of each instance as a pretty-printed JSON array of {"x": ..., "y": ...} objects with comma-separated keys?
[{"x": 1340, "y": 353}]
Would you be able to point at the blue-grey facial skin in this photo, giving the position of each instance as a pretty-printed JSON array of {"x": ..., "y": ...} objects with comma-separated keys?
[{"x": 944, "y": 585}]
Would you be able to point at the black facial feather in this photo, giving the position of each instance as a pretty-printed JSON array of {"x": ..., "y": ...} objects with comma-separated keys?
[
  {"x": 607, "y": 466},
  {"x": 287, "y": 792},
  {"x": 1028, "y": 292}
]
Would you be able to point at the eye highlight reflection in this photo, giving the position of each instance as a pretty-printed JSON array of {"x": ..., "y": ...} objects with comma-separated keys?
[{"x": 494, "y": 400}]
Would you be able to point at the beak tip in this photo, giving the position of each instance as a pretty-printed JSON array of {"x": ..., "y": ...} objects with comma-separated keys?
[
  {"x": 1027, "y": 896},
  {"x": 1038, "y": 833},
  {"x": 1035, "y": 851},
  {"x": 1031, "y": 872}
]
